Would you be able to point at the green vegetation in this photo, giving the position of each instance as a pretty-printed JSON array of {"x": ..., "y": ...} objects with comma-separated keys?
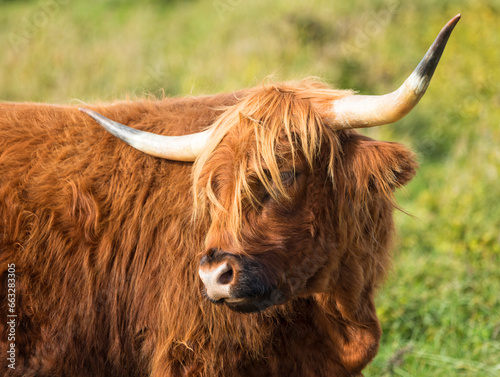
[{"x": 440, "y": 308}]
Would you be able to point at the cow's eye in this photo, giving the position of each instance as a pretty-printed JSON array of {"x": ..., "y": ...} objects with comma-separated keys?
[{"x": 288, "y": 178}]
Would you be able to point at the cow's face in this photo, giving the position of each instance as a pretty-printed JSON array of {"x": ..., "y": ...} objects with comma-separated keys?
[
  {"x": 275, "y": 193},
  {"x": 271, "y": 256}
]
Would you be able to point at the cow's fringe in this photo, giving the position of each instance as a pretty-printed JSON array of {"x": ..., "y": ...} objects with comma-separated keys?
[{"x": 272, "y": 124}]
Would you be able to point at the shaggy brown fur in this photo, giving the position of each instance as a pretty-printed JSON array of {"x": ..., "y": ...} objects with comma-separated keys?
[{"x": 107, "y": 241}]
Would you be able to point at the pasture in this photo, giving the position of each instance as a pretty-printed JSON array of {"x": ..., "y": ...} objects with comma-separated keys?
[{"x": 440, "y": 306}]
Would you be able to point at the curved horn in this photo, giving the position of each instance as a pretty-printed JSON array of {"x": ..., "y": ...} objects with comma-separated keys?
[
  {"x": 178, "y": 148},
  {"x": 360, "y": 111}
]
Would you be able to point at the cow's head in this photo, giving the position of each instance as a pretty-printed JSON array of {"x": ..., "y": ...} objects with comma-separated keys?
[
  {"x": 298, "y": 203},
  {"x": 288, "y": 197}
]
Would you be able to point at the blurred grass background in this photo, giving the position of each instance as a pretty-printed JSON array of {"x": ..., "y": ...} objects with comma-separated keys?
[{"x": 440, "y": 308}]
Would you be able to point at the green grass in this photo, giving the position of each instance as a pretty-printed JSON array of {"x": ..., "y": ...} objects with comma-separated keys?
[{"x": 440, "y": 308}]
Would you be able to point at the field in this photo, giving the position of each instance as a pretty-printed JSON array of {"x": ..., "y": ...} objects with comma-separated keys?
[{"x": 440, "y": 307}]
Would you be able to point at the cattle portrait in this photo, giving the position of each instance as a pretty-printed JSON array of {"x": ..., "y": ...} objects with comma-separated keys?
[{"x": 236, "y": 234}]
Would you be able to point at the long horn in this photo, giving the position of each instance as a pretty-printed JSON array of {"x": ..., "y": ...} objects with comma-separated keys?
[
  {"x": 178, "y": 148},
  {"x": 360, "y": 111}
]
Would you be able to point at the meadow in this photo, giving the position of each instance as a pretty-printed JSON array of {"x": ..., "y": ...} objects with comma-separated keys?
[{"x": 440, "y": 306}]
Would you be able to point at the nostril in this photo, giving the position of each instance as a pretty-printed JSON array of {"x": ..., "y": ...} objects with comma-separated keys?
[
  {"x": 226, "y": 277},
  {"x": 217, "y": 280}
]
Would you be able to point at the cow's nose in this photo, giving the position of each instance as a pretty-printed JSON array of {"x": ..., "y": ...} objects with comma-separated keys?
[{"x": 217, "y": 278}]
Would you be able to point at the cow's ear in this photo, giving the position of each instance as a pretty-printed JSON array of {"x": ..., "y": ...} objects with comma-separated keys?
[{"x": 377, "y": 165}]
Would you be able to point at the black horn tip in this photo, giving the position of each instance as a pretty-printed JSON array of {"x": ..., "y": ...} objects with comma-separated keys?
[{"x": 430, "y": 61}]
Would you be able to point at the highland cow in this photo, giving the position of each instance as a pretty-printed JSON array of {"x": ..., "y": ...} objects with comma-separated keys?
[{"x": 247, "y": 242}]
